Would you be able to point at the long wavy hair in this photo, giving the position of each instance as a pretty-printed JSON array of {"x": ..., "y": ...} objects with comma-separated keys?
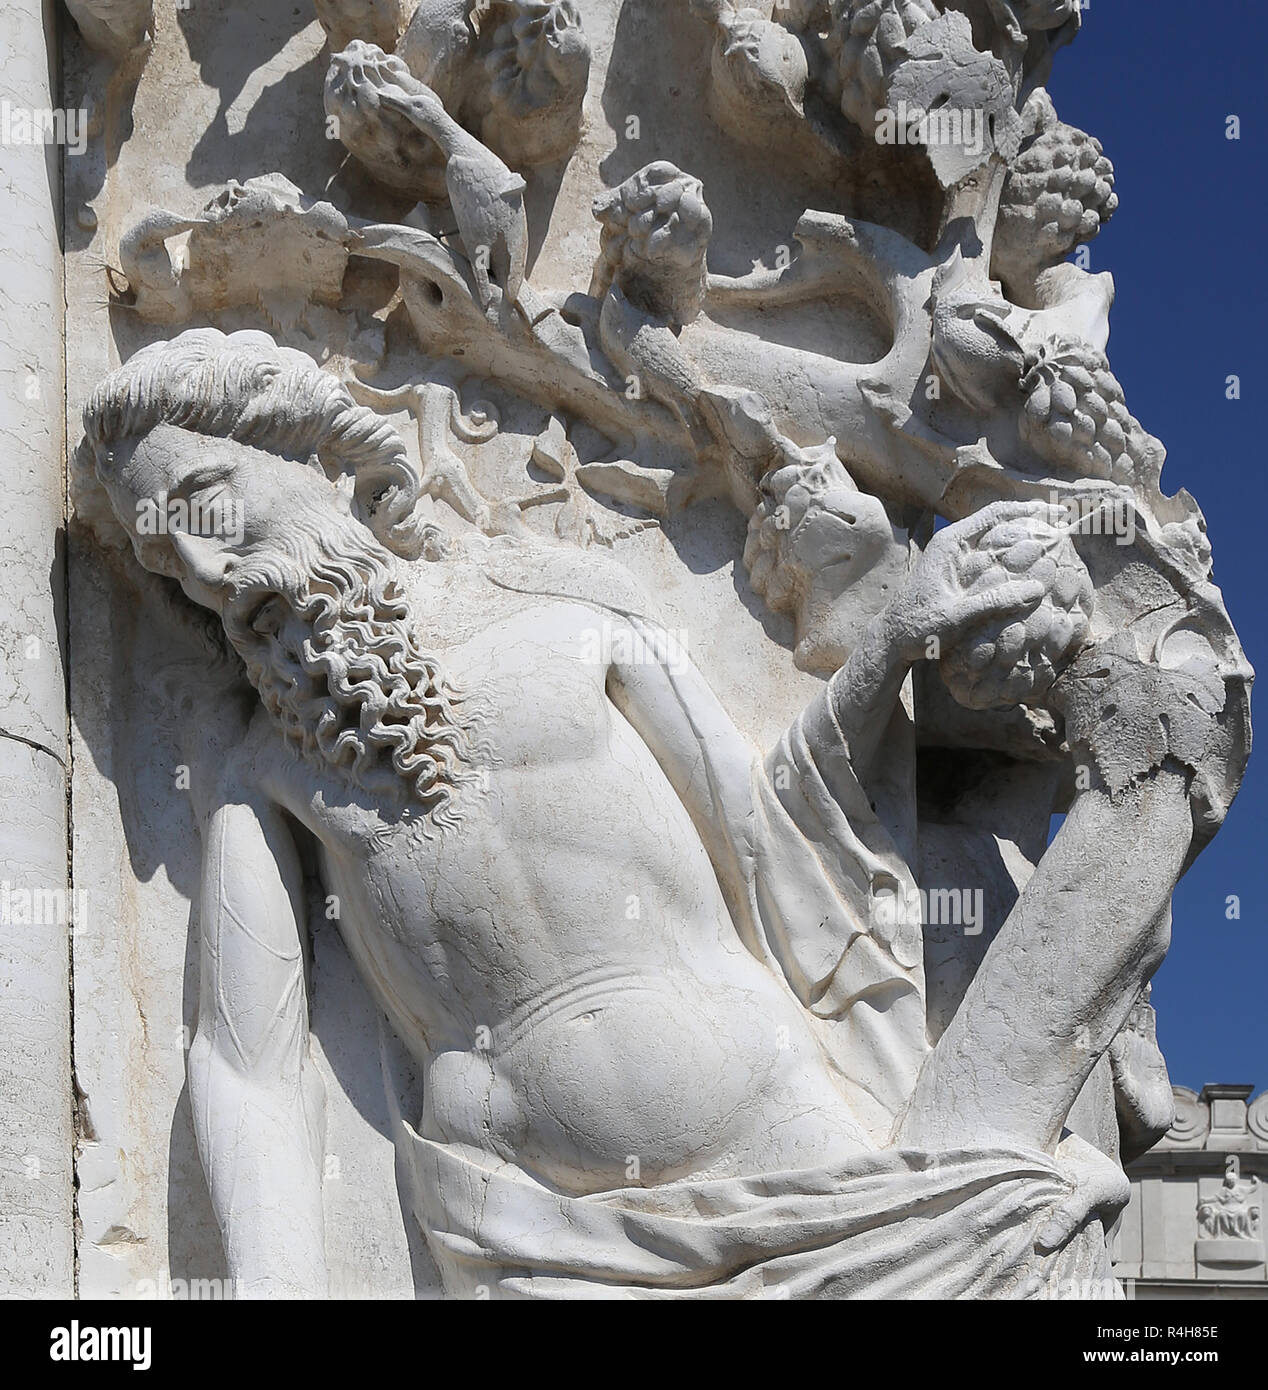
[
  {"x": 361, "y": 695},
  {"x": 243, "y": 386}
]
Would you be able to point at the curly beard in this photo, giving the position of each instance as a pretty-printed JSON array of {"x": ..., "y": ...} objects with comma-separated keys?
[{"x": 347, "y": 683}]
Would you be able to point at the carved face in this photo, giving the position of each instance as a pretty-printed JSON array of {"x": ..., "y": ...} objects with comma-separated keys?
[
  {"x": 826, "y": 554},
  {"x": 195, "y": 506},
  {"x": 310, "y": 602}
]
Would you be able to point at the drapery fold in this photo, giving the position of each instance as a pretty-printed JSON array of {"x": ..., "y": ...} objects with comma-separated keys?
[{"x": 890, "y": 1224}]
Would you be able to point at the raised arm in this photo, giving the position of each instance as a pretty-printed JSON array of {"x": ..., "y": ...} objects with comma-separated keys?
[
  {"x": 258, "y": 1102},
  {"x": 669, "y": 703},
  {"x": 929, "y": 614}
]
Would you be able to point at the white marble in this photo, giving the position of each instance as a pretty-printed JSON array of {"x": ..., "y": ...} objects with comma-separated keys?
[
  {"x": 36, "y": 1239},
  {"x": 549, "y": 795}
]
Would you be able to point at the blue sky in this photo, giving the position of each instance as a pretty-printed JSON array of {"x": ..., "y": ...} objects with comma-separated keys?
[{"x": 1155, "y": 84}]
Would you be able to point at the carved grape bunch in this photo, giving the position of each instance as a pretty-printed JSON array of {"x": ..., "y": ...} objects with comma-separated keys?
[
  {"x": 866, "y": 44},
  {"x": 1075, "y": 415},
  {"x": 365, "y": 92},
  {"x": 1014, "y": 661},
  {"x": 537, "y": 66},
  {"x": 1059, "y": 193},
  {"x": 655, "y": 234}
]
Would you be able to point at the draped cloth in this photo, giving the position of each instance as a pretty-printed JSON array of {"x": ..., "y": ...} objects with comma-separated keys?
[
  {"x": 831, "y": 906},
  {"x": 889, "y": 1224},
  {"x": 802, "y": 861}
]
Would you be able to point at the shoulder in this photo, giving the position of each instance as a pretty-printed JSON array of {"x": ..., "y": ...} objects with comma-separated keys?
[{"x": 568, "y": 574}]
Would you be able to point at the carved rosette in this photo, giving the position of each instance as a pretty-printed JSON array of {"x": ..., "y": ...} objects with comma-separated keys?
[
  {"x": 1257, "y": 1118},
  {"x": 1192, "y": 1122}
]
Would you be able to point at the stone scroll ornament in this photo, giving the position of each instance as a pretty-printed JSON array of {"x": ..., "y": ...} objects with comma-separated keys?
[{"x": 792, "y": 1079}]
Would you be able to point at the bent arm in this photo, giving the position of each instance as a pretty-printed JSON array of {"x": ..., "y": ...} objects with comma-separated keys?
[
  {"x": 258, "y": 1103},
  {"x": 706, "y": 758},
  {"x": 859, "y": 700}
]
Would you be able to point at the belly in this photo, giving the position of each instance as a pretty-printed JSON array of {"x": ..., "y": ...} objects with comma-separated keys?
[{"x": 624, "y": 1081}]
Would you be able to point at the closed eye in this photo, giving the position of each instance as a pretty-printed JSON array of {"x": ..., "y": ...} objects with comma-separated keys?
[{"x": 203, "y": 503}]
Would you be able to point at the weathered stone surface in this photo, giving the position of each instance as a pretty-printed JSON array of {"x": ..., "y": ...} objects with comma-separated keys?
[
  {"x": 559, "y": 815},
  {"x": 36, "y": 1238}
]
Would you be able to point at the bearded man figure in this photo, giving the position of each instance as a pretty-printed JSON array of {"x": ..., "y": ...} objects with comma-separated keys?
[{"x": 710, "y": 1101}]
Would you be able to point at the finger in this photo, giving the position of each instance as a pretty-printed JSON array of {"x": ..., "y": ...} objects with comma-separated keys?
[
  {"x": 1018, "y": 596},
  {"x": 1007, "y": 510},
  {"x": 1100, "y": 1187},
  {"x": 1093, "y": 1195}
]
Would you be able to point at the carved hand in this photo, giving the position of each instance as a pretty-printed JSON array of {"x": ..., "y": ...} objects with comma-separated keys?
[{"x": 942, "y": 602}]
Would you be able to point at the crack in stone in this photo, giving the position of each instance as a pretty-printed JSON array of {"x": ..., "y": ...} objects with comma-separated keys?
[{"x": 32, "y": 743}]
